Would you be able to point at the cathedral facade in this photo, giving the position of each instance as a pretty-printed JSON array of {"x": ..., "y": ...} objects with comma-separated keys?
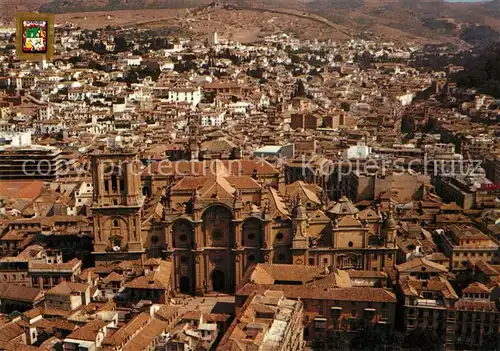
[{"x": 213, "y": 225}]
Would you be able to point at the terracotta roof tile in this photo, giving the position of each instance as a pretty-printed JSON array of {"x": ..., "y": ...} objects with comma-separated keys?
[{"x": 89, "y": 331}]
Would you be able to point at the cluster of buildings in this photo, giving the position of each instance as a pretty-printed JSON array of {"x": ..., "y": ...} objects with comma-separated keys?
[{"x": 313, "y": 185}]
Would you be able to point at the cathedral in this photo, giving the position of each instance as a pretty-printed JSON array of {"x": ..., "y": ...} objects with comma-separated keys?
[{"x": 214, "y": 219}]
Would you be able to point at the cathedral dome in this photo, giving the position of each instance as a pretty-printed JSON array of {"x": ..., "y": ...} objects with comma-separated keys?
[{"x": 343, "y": 207}]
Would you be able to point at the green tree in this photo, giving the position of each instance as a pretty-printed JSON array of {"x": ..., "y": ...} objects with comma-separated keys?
[
  {"x": 491, "y": 342},
  {"x": 330, "y": 339},
  {"x": 423, "y": 339},
  {"x": 345, "y": 106},
  {"x": 370, "y": 337},
  {"x": 300, "y": 89}
]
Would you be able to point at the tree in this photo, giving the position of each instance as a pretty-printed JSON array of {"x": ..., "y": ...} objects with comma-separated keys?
[
  {"x": 345, "y": 106},
  {"x": 491, "y": 342},
  {"x": 423, "y": 339},
  {"x": 338, "y": 58},
  {"x": 367, "y": 337},
  {"x": 330, "y": 340},
  {"x": 371, "y": 337},
  {"x": 300, "y": 89},
  {"x": 121, "y": 44}
]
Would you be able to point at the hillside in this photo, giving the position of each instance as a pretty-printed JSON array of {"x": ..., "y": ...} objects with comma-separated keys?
[
  {"x": 482, "y": 72},
  {"x": 431, "y": 20}
]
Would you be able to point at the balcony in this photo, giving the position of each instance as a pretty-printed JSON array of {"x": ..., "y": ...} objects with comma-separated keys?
[
  {"x": 117, "y": 249},
  {"x": 429, "y": 303}
]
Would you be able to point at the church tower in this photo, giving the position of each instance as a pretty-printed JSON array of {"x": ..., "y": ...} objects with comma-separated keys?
[
  {"x": 389, "y": 230},
  {"x": 300, "y": 242},
  {"x": 116, "y": 208},
  {"x": 194, "y": 145}
]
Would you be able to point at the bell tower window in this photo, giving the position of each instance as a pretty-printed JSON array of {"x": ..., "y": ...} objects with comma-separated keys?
[{"x": 114, "y": 183}]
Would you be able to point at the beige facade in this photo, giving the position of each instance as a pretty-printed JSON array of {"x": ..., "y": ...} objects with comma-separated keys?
[
  {"x": 214, "y": 226},
  {"x": 464, "y": 244},
  {"x": 276, "y": 324},
  {"x": 477, "y": 316},
  {"x": 117, "y": 208}
]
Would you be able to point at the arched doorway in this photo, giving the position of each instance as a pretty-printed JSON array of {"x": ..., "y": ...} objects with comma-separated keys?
[
  {"x": 218, "y": 280},
  {"x": 184, "y": 285}
]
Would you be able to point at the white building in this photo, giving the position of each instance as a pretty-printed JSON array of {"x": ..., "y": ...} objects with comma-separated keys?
[
  {"x": 213, "y": 39},
  {"x": 185, "y": 94},
  {"x": 167, "y": 66},
  {"x": 100, "y": 127},
  {"x": 45, "y": 112},
  {"x": 16, "y": 139},
  {"x": 213, "y": 118},
  {"x": 357, "y": 152},
  {"x": 133, "y": 61},
  {"x": 406, "y": 99},
  {"x": 83, "y": 195}
]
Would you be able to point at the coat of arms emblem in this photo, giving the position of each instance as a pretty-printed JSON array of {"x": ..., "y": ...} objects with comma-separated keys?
[{"x": 35, "y": 37}]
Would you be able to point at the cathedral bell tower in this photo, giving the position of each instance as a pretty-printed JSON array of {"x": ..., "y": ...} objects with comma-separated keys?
[
  {"x": 300, "y": 244},
  {"x": 194, "y": 144},
  {"x": 389, "y": 230},
  {"x": 116, "y": 208}
]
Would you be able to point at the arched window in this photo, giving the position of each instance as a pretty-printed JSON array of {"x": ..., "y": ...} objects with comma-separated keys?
[
  {"x": 217, "y": 235},
  {"x": 350, "y": 244},
  {"x": 279, "y": 236},
  {"x": 116, "y": 224},
  {"x": 155, "y": 239},
  {"x": 114, "y": 183},
  {"x": 311, "y": 261}
]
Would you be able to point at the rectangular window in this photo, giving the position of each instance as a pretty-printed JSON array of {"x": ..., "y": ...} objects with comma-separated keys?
[
  {"x": 320, "y": 323},
  {"x": 114, "y": 183}
]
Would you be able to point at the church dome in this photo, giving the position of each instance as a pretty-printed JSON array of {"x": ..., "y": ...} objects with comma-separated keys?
[{"x": 343, "y": 207}]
